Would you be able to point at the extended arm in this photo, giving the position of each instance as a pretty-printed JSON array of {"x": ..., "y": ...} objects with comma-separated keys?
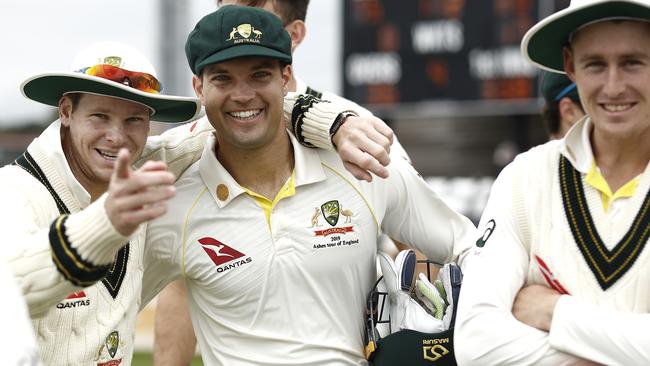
[{"x": 52, "y": 255}]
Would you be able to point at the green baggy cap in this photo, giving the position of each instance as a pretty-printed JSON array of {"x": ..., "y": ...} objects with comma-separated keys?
[{"x": 236, "y": 31}]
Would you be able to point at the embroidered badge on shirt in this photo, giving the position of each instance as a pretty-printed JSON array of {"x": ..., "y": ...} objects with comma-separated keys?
[
  {"x": 332, "y": 211},
  {"x": 109, "y": 350}
]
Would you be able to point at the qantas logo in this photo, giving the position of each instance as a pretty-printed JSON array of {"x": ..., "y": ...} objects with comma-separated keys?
[
  {"x": 76, "y": 299},
  {"x": 76, "y": 295},
  {"x": 223, "y": 256}
]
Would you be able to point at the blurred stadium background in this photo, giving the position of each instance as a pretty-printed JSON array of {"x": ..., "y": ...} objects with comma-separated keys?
[{"x": 445, "y": 74}]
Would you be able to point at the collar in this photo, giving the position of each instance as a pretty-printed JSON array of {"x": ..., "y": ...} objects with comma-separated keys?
[
  {"x": 301, "y": 86},
  {"x": 576, "y": 146},
  {"x": 224, "y": 188},
  {"x": 48, "y": 146}
]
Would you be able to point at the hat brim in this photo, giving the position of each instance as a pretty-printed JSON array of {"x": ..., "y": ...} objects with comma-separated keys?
[
  {"x": 48, "y": 88},
  {"x": 239, "y": 51},
  {"x": 542, "y": 45}
]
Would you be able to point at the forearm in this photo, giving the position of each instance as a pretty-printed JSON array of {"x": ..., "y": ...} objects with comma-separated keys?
[
  {"x": 486, "y": 331},
  {"x": 74, "y": 252},
  {"x": 174, "y": 341},
  {"x": 599, "y": 334},
  {"x": 179, "y": 147},
  {"x": 416, "y": 215},
  {"x": 311, "y": 119}
]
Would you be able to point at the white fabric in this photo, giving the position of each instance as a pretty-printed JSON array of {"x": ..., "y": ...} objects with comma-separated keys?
[
  {"x": 293, "y": 294},
  {"x": 17, "y": 341},
  {"x": 607, "y": 327}
]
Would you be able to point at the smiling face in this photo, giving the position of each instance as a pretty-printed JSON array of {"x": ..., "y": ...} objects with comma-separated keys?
[
  {"x": 243, "y": 100},
  {"x": 610, "y": 63},
  {"x": 94, "y": 130}
]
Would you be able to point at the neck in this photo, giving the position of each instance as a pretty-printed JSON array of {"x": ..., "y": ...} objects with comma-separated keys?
[
  {"x": 263, "y": 170},
  {"x": 293, "y": 84},
  {"x": 620, "y": 159}
]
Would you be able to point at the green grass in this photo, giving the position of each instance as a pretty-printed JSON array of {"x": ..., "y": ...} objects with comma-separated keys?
[{"x": 146, "y": 359}]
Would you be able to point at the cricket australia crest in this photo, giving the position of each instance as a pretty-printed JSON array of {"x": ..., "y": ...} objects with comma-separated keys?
[
  {"x": 113, "y": 61},
  {"x": 331, "y": 211},
  {"x": 112, "y": 342},
  {"x": 243, "y": 33}
]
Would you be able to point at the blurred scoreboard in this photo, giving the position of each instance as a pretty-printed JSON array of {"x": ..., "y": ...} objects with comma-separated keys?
[{"x": 399, "y": 52}]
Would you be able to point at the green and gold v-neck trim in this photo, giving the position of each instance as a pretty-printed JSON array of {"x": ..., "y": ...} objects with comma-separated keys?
[{"x": 608, "y": 266}]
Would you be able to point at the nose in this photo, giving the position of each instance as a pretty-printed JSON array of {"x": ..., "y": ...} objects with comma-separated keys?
[
  {"x": 115, "y": 134},
  {"x": 243, "y": 92},
  {"x": 614, "y": 83}
]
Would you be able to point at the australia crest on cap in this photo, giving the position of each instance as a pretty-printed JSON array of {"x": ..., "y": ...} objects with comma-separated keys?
[{"x": 243, "y": 32}]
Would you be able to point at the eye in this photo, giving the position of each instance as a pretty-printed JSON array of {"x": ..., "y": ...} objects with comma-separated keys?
[
  {"x": 99, "y": 116},
  {"x": 135, "y": 119},
  {"x": 632, "y": 62},
  {"x": 594, "y": 65},
  {"x": 219, "y": 78},
  {"x": 261, "y": 74}
]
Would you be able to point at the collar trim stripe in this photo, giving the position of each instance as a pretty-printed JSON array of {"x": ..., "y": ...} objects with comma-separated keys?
[{"x": 608, "y": 266}]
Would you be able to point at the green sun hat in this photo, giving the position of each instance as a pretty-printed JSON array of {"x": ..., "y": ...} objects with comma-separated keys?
[
  {"x": 543, "y": 43},
  {"x": 121, "y": 72},
  {"x": 236, "y": 31}
]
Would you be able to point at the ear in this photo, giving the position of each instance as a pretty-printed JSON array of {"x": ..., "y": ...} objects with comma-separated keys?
[
  {"x": 569, "y": 67},
  {"x": 65, "y": 111},
  {"x": 287, "y": 74},
  {"x": 297, "y": 30},
  {"x": 197, "y": 85},
  {"x": 569, "y": 111}
]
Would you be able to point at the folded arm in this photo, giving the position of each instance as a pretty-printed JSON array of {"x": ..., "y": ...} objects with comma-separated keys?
[{"x": 487, "y": 332}]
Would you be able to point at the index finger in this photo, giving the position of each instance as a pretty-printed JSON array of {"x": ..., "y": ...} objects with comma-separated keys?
[{"x": 122, "y": 168}]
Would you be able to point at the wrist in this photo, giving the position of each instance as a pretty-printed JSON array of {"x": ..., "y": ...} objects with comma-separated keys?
[{"x": 338, "y": 122}]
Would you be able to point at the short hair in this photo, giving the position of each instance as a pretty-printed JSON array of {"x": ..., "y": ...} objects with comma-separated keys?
[
  {"x": 289, "y": 10},
  {"x": 551, "y": 115},
  {"x": 551, "y": 118},
  {"x": 75, "y": 98}
]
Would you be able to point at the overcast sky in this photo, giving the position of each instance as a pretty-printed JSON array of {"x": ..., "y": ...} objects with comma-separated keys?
[{"x": 44, "y": 35}]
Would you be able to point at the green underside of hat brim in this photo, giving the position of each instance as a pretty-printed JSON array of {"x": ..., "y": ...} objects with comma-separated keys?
[
  {"x": 545, "y": 46},
  {"x": 239, "y": 51},
  {"x": 50, "y": 89}
]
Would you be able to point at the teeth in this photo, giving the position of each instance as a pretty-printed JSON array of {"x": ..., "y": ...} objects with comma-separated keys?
[
  {"x": 107, "y": 155},
  {"x": 246, "y": 114},
  {"x": 617, "y": 107}
]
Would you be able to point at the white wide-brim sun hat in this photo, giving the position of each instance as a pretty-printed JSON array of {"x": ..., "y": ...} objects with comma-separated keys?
[
  {"x": 543, "y": 43},
  {"x": 49, "y": 87}
]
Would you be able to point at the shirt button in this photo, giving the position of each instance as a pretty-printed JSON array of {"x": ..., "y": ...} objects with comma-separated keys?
[{"x": 222, "y": 192}]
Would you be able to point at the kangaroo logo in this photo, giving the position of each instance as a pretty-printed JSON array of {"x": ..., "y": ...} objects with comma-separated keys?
[{"x": 219, "y": 252}]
